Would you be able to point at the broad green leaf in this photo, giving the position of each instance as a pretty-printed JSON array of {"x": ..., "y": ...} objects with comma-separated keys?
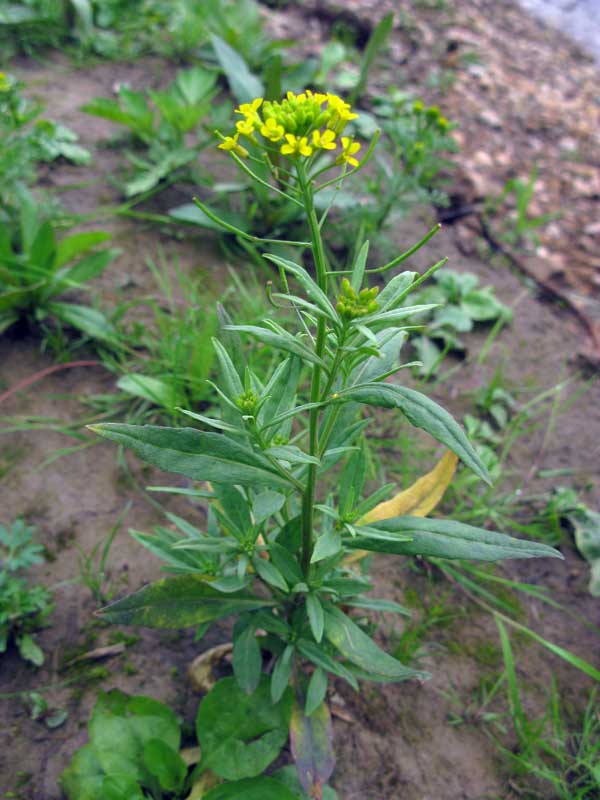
[
  {"x": 121, "y": 726},
  {"x": 316, "y": 691},
  {"x": 448, "y": 539},
  {"x": 241, "y": 734},
  {"x": 86, "y": 319},
  {"x": 197, "y": 455},
  {"x": 89, "y": 267},
  {"x": 195, "y": 216},
  {"x": 83, "y": 778},
  {"x": 252, "y": 789},
  {"x": 164, "y": 764},
  {"x": 420, "y": 498},
  {"x": 422, "y": 412},
  {"x": 232, "y": 510},
  {"x": 244, "y": 85},
  {"x": 311, "y": 740},
  {"x": 75, "y": 245},
  {"x": 586, "y": 526},
  {"x": 29, "y": 649},
  {"x": 247, "y": 660},
  {"x": 154, "y": 390},
  {"x": 361, "y": 650},
  {"x": 179, "y": 603},
  {"x": 282, "y": 671},
  {"x": 116, "y": 787}
]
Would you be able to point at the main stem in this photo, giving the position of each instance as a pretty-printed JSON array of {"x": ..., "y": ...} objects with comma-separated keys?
[{"x": 318, "y": 251}]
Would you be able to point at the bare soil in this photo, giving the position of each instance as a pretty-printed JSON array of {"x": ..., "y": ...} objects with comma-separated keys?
[{"x": 392, "y": 741}]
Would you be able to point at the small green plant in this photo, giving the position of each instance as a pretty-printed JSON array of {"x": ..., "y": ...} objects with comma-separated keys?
[
  {"x": 458, "y": 304},
  {"x": 27, "y": 139},
  {"x": 36, "y": 268},
  {"x": 23, "y": 608},
  {"x": 135, "y": 749},
  {"x": 160, "y": 123},
  {"x": 286, "y": 534},
  {"x": 517, "y": 226},
  {"x": 93, "y": 565},
  {"x": 550, "y": 760}
]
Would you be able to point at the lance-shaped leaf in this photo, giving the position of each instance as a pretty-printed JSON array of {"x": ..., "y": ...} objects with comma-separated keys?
[
  {"x": 280, "y": 341},
  {"x": 311, "y": 740},
  {"x": 423, "y": 413},
  {"x": 179, "y": 603},
  {"x": 197, "y": 455},
  {"x": 420, "y": 498},
  {"x": 241, "y": 734},
  {"x": 445, "y": 538},
  {"x": 361, "y": 650}
]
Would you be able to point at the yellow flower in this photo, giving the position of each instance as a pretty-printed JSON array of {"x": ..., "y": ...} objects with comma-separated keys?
[
  {"x": 296, "y": 146},
  {"x": 349, "y": 148},
  {"x": 272, "y": 131},
  {"x": 245, "y": 127},
  {"x": 250, "y": 110},
  {"x": 4, "y": 82},
  {"x": 324, "y": 141},
  {"x": 231, "y": 143}
]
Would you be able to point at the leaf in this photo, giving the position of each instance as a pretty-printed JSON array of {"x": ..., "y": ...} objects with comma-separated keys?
[
  {"x": 318, "y": 655},
  {"x": 311, "y": 740},
  {"x": 420, "y": 498},
  {"x": 195, "y": 454},
  {"x": 424, "y": 413},
  {"x": 179, "y": 603},
  {"x": 361, "y": 650},
  {"x": 121, "y": 726},
  {"x": 316, "y": 617},
  {"x": 312, "y": 289},
  {"x": 189, "y": 212},
  {"x": 586, "y": 526},
  {"x": 154, "y": 390},
  {"x": 29, "y": 649},
  {"x": 327, "y": 544},
  {"x": 164, "y": 764},
  {"x": 282, "y": 671},
  {"x": 270, "y": 574},
  {"x": 83, "y": 778},
  {"x": 448, "y": 539},
  {"x": 252, "y": 789},
  {"x": 85, "y": 319},
  {"x": 316, "y": 691},
  {"x": 241, "y": 734},
  {"x": 285, "y": 563},
  {"x": 244, "y": 85},
  {"x": 288, "y": 343},
  {"x": 289, "y": 777},
  {"x": 247, "y": 660},
  {"x": 75, "y": 245},
  {"x": 266, "y": 504}
]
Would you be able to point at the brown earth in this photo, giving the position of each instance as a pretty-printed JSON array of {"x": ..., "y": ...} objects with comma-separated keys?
[{"x": 392, "y": 742}]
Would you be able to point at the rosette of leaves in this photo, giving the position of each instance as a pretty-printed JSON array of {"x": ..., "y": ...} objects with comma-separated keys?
[
  {"x": 290, "y": 518},
  {"x": 160, "y": 124},
  {"x": 23, "y": 607},
  {"x": 134, "y": 749},
  {"x": 458, "y": 303},
  {"x": 36, "y": 268}
]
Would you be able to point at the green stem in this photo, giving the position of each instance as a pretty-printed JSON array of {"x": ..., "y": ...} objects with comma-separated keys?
[{"x": 318, "y": 251}]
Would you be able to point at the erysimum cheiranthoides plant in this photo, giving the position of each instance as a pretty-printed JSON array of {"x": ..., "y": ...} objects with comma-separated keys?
[{"x": 283, "y": 546}]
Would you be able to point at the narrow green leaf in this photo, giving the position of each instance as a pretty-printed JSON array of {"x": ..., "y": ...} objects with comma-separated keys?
[
  {"x": 195, "y": 454},
  {"x": 361, "y": 650},
  {"x": 244, "y": 85},
  {"x": 281, "y": 673},
  {"x": 179, "y": 603},
  {"x": 318, "y": 655},
  {"x": 288, "y": 343},
  {"x": 327, "y": 544},
  {"x": 316, "y": 691},
  {"x": 269, "y": 573},
  {"x": 312, "y": 289},
  {"x": 85, "y": 319},
  {"x": 316, "y": 617},
  {"x": 448, "y": 539},
  {"x": 424, "y": 413},
  {"x": 247, "y": 660}
]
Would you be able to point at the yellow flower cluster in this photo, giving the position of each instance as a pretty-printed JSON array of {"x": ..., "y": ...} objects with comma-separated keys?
[{"x": 300, "y": 124}]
